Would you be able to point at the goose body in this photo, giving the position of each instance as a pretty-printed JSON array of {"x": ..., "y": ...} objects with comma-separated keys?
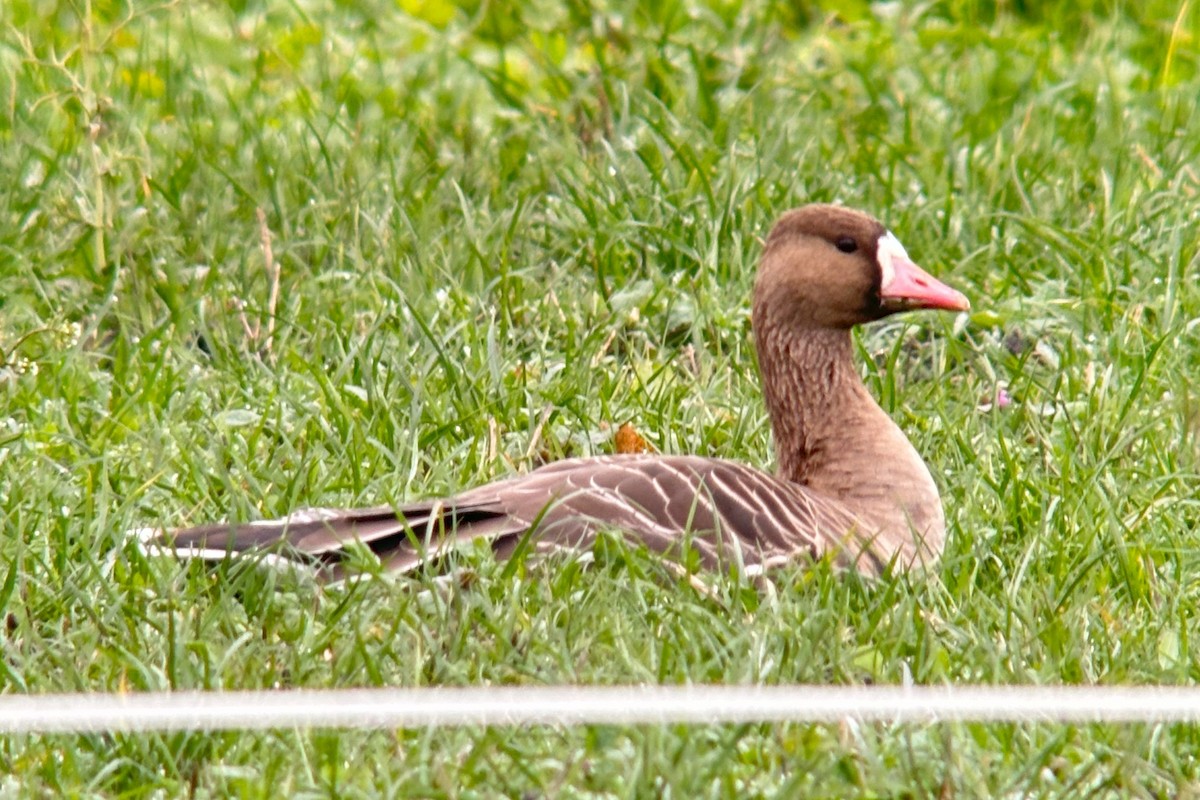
[{"x": 849, "y": 485}]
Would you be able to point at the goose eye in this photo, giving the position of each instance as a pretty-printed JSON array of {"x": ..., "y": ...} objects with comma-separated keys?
[{"x": 846, "y": 244}]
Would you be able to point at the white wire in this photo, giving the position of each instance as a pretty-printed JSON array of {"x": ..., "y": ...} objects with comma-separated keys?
[{"x": 590, "y": 705}]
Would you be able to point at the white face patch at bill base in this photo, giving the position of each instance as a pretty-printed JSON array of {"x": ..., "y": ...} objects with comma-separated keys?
[{"x": 887, "y": 251}]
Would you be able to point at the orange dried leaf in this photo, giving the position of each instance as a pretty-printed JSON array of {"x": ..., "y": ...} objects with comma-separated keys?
[{"x": 628, "y": 440}]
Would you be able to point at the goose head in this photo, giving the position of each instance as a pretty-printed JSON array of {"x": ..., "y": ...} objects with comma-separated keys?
[{"x": 831, "y": 267}]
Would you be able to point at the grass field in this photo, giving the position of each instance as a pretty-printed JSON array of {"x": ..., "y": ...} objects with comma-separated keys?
[{"x": 502, "y": 230}]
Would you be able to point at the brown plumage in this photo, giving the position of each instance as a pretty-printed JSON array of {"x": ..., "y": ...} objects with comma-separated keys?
[{"x": 849, "y": 484}]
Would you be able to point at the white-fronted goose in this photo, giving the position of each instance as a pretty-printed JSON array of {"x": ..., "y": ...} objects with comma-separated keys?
[{"x": 849, "y": 484}]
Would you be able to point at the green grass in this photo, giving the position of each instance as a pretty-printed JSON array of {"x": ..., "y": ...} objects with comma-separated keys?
[{"x": 506, "y": 228}]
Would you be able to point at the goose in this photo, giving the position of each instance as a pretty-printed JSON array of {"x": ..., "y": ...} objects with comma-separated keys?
[{"x": 848, "y": 484}]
